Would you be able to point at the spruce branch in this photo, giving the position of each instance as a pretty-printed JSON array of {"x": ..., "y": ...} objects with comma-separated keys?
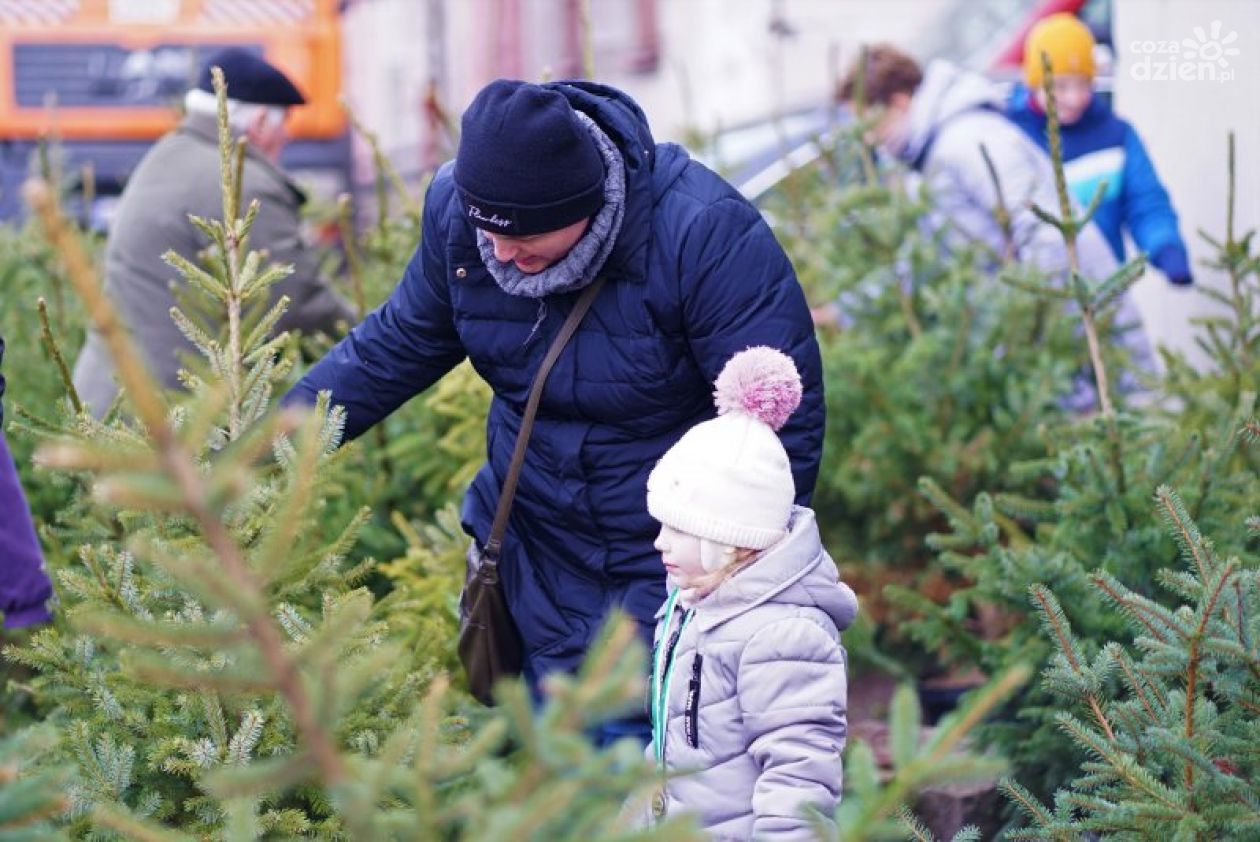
[
  {"x": 1010, "y": 276},
  {"x": 50, "y": 345},
  {"x": 1183, "y": 529},
  {"x": 913, "y": 827},
  {"x": 132, "y": 372},
  {"x": 1002, "y": 211},
  {"x": 1032, "y": 807},
  {"x": 1137, "y": 685},
  {"x": 1142, "y": 610},
  {"x": 865, "y": 145},
  {"x": 123, "y": 821},
  {"x": 1194, "y": 658},
  {"x": 985, "y": 700},
  {"x": 121, "y": 627},
  {"x": 1070, "y": 227},
  {"x": 1120, "y": 761},
  {"x": 1056, "y": 622},
  {"x": 230, "y": 240},
  {"x": 387, "y": 176},
  {"x": 184, "y": 473},
  {"x": 1244, "y": 634},
  {"x": 354, "y": 261}
]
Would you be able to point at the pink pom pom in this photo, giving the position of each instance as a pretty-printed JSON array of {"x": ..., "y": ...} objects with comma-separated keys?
[{"x": 761, "y": 382}]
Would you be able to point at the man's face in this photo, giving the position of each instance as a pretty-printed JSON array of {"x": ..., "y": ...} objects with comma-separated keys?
[
  {"x": 535, "y": 252},
  {"x": 1072, "y": 93},
  {"x": 893, "y": 122},
  {"x": 269, "y": 135}
]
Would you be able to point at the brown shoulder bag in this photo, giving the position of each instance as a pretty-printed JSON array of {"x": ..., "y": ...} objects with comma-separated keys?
[{"x": 489, "y": 642}]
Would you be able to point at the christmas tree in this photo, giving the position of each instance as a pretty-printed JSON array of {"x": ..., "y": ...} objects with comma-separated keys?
[
  {"x": 1171, "y": 751},
  {"x": 1080, "y": 508}
]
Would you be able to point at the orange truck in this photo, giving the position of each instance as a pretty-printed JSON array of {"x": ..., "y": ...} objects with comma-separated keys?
[{"x": 107, "y": 78}]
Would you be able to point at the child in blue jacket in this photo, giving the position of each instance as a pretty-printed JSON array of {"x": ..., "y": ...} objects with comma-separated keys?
[{"x": 1098, "y": 146}]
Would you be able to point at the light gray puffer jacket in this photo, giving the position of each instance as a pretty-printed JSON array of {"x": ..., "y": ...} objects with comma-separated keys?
[{"x": 771, "y": 712}]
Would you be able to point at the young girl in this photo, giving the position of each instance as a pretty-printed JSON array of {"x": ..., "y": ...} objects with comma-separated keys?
[{"x": 748, "y": 689}]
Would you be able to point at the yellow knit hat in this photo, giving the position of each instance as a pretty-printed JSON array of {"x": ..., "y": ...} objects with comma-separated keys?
[{"x": 1066, "y": 40}]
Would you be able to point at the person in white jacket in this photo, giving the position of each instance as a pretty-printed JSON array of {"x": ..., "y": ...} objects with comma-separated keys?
[{"x": 940, "y": 122}]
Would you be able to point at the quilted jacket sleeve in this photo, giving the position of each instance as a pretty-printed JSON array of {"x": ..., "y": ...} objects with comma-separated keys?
[
  {"x": 402, "y": 347},
  {"x": 1149, "y": 213},
  {"x": 793, "y": 698},
  {"x": 739, "y": 290}
]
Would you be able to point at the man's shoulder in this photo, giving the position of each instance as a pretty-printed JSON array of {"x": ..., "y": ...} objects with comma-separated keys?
[
  {"x": 440, "y": 207},
  {"x": 441, "y": 189},
  {"x": 263, "y": 179},
  {"x": 685, "y": 188},
  {"x": 968, "y": 129},
  {"x": 964, "y": 141},
  {"x": 178, "y": 148}
]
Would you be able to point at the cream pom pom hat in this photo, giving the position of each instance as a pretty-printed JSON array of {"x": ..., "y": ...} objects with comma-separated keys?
[{"x": 729, "y": 480}]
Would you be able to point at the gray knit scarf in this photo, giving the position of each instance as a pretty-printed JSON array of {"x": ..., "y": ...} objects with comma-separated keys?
[{"x": 579, "y": 267}]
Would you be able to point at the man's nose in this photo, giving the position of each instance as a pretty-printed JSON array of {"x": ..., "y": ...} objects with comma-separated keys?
[{"x": 503, "y": 249}]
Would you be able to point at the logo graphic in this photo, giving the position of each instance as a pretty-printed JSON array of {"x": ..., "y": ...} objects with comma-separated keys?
[
  {"x": 1215, "y": 48},
  {"x": 494, "y": 219},
  {"x": 1203, "y": 58}
]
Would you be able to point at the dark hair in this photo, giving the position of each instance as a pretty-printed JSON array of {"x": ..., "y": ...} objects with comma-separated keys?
[{"x": 884, "y": 71}]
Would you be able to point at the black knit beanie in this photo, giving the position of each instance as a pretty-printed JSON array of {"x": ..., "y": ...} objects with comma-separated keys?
[
  {"x": 250, "y": 78},
  {"x": 526, "y": 164}
]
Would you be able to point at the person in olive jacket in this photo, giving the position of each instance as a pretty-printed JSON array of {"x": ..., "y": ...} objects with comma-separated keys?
[
  {"x": 179, "y": 177},
  {"x": 24, "y": 585}
]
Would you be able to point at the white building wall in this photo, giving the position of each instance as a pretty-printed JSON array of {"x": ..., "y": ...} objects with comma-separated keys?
[
  {"x": 384, "y": 68},
  {"x": 1185, "y": 121},
  {"x": 721, "y": 62}
]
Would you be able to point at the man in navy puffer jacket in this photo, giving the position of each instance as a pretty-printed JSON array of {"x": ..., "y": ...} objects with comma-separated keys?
[{"x": 554, "y": 185}]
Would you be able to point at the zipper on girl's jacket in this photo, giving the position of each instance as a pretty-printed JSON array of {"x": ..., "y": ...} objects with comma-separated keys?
[
  {"x": 670, "y": 645},
  {"x": 691, "y": 714}
]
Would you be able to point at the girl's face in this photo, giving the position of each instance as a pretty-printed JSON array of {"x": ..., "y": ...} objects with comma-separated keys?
[{"x": 680, "y": 553}]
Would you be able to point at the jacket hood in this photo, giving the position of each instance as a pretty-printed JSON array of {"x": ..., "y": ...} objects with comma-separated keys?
[
  {"x": 945, "y": 92},
  {"x": 621, "y": 118},
  {"x": 795, "y": 571}
]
